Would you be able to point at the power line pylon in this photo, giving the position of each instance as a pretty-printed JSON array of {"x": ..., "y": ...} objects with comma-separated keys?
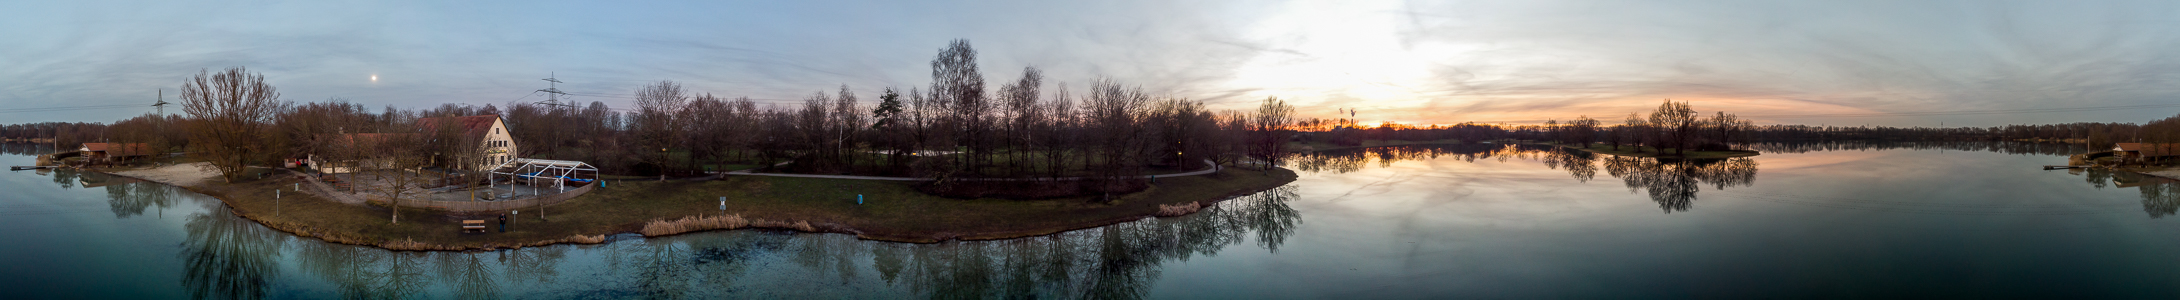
[
  {"x": 162, "y": 105},
  {"x": 553, "y": 92}
]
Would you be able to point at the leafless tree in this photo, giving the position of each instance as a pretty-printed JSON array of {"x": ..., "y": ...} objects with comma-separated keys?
[
  {"x": 1677, "y": 122},
  {"x": 1269, "y": 132},
  {"x": 655, "y": 125},
  {"x": 847, "y": 128},
  {"x": 231, "y": 110},
  {"x": 1113, "y": 115},
  {"x": 958, "y": 86}
]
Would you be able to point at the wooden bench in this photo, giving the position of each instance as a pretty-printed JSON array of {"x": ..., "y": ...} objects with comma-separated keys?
[{"x": 477, "y": 225}]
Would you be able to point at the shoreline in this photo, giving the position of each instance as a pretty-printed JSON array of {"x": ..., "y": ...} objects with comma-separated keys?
[
  {"x": 1638, "y": 152},
  {"x": 240, "y": 199}
]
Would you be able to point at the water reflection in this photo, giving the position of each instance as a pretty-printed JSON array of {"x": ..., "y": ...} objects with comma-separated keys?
[
  {"x": 231, "y": 257},
  {"x": 2160, "y": 196},
  {"x": 1672, "y": 183},
  {"x": 2008, "y": 147},
  {"x": 127, "y": 200},
  {"x": 25, "y": 149}
]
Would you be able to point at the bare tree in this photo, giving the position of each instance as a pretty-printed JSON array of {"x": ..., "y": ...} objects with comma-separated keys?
[
  {"x": 655, "y": 125},
  {"x": 957, "y": 85},
  {"x": 1268, "y": 130},
  {"x": 1058, "y": 136},
  {"x": 1677, "y": 122},
  {"x": 1113, "y": 115},
  {"x": 231, "y": 110},
  {"x": 847, "y": 127}
]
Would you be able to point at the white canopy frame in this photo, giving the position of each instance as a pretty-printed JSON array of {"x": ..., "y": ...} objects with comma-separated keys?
[{"x": 559, "y": 171}]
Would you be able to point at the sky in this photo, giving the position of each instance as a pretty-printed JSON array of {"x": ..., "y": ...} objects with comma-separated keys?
[{"x": 1851, "y": 63}]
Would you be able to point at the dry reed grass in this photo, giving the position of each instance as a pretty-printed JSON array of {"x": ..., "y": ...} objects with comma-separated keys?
[
  {"x": 1177, "y": 210},
  {"x": 693, "y": 224}
]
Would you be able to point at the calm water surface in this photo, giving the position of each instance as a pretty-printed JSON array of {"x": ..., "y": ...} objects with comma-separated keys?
[{"x": 1481, "y": 221}]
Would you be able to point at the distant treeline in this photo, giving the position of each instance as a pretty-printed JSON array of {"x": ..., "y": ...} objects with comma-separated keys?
[{"x": 1726, "y": 131}]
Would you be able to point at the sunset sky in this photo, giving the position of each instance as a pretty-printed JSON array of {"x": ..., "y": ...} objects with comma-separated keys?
[{"x": 1974, "y": 63}]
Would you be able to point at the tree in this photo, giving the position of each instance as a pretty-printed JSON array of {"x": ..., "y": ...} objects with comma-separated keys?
[
  {"x": 847, "y": 127},
  {"x": 1268, "y": 130},
  {"x": 1631, "y": 131},
  {"x": 1112, "y": 115},
  {"x": 1584, "y": 131},
  {"x": 1678, "y": 122},
  {"x": 655, "y": 126},
  {"x": 957, "y": 85},
  {"x": 397, "y": 156},
  {"x": 887, "y": 123},
  {"x": 231, "y": 111}
]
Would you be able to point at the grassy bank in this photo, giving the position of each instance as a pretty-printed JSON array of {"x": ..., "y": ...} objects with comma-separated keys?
[
  {"x": 893, "y": 211},
  {"x": 1638, "y": 151}
]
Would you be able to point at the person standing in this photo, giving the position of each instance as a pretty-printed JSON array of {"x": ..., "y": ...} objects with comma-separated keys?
[{"x": 503, "y": 222}]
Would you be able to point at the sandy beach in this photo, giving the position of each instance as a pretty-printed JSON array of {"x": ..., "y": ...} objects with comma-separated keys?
[{"x": 187, "y": 175}]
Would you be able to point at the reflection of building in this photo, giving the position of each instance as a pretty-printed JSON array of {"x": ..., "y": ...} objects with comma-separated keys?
[
  {"x": 489, "y": 132},
  {"x": 108, "y": 152},
  {"x": 2142, "y": 151}
]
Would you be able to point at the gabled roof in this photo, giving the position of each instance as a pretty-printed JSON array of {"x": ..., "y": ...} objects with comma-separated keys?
[
  {"x": 471, "y": 127},
  {"x": 117, "y": 149}
]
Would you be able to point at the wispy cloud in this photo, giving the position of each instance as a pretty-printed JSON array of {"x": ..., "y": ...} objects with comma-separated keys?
[{"x": 1416, "y": 62}]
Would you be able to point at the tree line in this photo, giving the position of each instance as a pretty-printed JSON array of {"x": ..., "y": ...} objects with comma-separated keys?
[{"x": 959, "y": 127}]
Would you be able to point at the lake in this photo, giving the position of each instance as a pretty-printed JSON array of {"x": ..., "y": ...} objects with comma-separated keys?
[{"x": 1457, "y": 221}]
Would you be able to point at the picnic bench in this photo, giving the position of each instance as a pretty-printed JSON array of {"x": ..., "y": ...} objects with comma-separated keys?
[{"x": 477, "y": 225}]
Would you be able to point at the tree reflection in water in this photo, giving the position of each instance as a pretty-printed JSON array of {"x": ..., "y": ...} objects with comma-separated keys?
[
  {"x": 1672, "y": 183},
  {"x": 1117, "y": 261},
  {"x": 229, "y": 257},
  {"x": 25, "y": 149},
  {"x": 232, "y": 257},
  {"x": 2160, "y": 196},
  {"x": 133, "y": 199}
]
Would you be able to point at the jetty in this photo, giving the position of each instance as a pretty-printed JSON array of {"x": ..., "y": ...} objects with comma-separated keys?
[{"x": 20, "y": 168}]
